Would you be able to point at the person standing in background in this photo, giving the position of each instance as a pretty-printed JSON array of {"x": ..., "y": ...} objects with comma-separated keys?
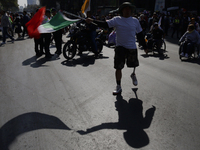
[
  {"x": 5, "y": 23},
  {"x": 26, "y": 19},
  {"x": 46, "y": 37},
  {"x": 57, "y": 36}
]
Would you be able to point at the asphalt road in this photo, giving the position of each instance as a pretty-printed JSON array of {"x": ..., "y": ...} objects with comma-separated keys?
[{"x": 68, "y": 105}]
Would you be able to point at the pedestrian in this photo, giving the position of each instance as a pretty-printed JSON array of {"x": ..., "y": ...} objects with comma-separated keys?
[
  {"x": 184, "y": 23},
  {"x": 57, "y": 36},
  {"x": 176, "y": 26},
  {"x": 126, "y": 49},
  {"x": 166, "y": 24},
  {"x": 26, "y": 19},
  {"x": 5, "y": 23},
  {"x": 17, "y": 25},
  {"x": 38, "y": 45},
  {"x": 10, "y": 30},
  {"x": 143, "y": 24},
  {"x": 46, "y": 37}
]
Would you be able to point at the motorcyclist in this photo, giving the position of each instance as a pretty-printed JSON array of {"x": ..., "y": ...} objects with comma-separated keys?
[
  {"x": 189, "y": 39},
  {"x": 91, "y": 29}
]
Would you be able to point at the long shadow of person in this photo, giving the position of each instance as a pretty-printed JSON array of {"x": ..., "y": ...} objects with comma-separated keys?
[
  {"x": 25, "y": 123},
  {"x": 130, "y": 119},
  {"x": 84, "y": 60}
]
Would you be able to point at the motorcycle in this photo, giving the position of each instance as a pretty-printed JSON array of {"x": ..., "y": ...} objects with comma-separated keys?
[{"x": 79, "y": 41}]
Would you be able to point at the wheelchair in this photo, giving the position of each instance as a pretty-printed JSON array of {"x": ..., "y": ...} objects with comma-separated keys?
[
  {"x": 195, "y": 51},
  {"x": 151, "y": 44}
]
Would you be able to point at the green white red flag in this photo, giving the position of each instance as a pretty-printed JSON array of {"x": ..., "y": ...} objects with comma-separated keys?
[
  {"x": 59, "y": 21},
  {"x": 34, "y": 23}
]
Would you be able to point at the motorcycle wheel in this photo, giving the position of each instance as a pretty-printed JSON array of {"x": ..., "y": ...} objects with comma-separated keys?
[
  {"x": 99, "y": 45},
  {"x": 69, "y": 50}
]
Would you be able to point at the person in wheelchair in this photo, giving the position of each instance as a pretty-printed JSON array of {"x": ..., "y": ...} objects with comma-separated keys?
[
  {"x": 157, "y": 35},
  {"x": 189, "y": 39}
]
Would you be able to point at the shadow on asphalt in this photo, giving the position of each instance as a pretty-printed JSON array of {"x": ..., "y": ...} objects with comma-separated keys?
[
  {"x": 25, "y": 123},
  {"x": 84, "y": 60},
  {"x": 172, "y": 40},
  {"x": 131, "y": 119},
  {"x": 194, "y": 61},
  {"x": 161, "y": 57},
  {"x": 37, "y": 62}
]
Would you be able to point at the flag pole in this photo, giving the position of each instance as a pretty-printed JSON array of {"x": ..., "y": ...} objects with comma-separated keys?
[{"x": 78, "y": 17}]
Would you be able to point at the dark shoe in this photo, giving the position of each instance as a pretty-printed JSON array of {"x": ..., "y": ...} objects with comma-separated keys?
[
  {"x": 96, "y": 55},
  {"x": 42, "y": 53},
  {"x": 48, "y": 56},
  {"x": 57, "y": 53},
  {"x": 38, "y": 54},
  {"x": 79, "y": 53}
]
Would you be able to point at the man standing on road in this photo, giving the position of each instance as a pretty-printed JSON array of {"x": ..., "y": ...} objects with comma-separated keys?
[
  {"x": 46, "y": 37},
  {"x": 126, "y": 50},
  {"x": 57, "y": 36},
  {"x": 26, "y": 19},
  {"x": 5, "y": 23}
]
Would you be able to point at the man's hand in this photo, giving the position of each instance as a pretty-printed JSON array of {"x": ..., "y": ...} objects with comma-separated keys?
[{"x": 88, "y": 20}]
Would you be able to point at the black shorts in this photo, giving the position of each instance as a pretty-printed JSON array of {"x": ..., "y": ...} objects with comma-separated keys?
[{"x": 128, "y": 56}]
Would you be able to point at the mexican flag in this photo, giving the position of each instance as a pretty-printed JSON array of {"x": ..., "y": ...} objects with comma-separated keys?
[{"x": 58, "y": 22}]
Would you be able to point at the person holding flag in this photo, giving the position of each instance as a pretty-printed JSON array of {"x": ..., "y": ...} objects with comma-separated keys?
[
  {"x": 126, "y": 50},
  {"x": 40, "y": 26},
  {"x": 46, "y": 37},
  {"x": 57, "y": 36}
]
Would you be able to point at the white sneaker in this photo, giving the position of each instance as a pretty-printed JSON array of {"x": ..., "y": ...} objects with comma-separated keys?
[
  {"x": 117, "y": 90},
  {"x": 186, "y": 55},
  {"x": 182, "y": 54},
  {"x": 134, "y": 79}
]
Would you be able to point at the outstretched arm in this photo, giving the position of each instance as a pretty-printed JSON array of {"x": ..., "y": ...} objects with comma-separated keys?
[
  {"x": 100, "y": 127},
  {"x": 148, "y": 117},
  {"x": 99, "y": 23}
]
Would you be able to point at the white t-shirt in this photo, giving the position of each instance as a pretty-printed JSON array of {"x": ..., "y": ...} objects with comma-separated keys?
[{"x": 126, "y": 29}]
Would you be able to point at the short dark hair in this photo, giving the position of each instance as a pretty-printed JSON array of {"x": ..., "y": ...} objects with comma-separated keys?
[
  {"x": 47, "y": 11},
  {"x": 191, "y": 26}
]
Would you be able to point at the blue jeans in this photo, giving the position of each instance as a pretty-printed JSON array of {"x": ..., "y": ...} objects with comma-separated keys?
[{"x": 5, "y": 32}]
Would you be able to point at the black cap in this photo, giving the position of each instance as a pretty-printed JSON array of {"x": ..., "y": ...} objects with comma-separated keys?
[{"x": 126, "y": 4}]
